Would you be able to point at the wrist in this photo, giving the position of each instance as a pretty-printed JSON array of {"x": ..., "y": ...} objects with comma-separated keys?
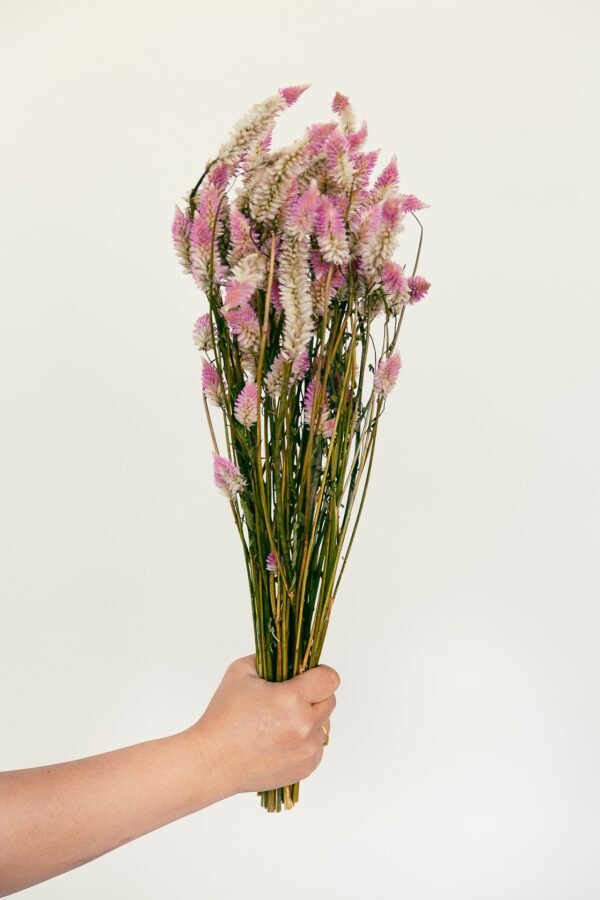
[{"x": 210, "y": 776}]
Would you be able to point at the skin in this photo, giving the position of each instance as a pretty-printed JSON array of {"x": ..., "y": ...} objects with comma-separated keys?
[{"x": 254, "y": 735}]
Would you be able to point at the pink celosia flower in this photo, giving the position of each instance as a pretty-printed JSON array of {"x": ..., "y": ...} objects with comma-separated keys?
[
  {"x": 220, "y": 174},
  {"x": 202, "y": 333},
  {"x": 387, "y": 181},
  {"x": 301, "y": 215},
  {"x": 357, "y": 138},
  {"x": 381, "y": 245},
  {"x": 256, "y": 124},
  {"x": 246, "y": 405},
  {"x": 318, "y": 135},
  {"x": 268, "y": 186},
  {"x": 291, "y": 94},
  {"x": 251, "y": 269},
  {"x": 331, "y": 232},
  {"x": 295, "y": 296},
  {"x": 243, "y": 323},
  {"x": 244, "y": 238},
  {"x": 340, "y": 169},
  {"x": 211, "y": 384},
  {"x": 300, "y": 365},
  {"x": 201, "y": 236},
  {"x": 395, "y": 285},
  {"x": 238, "y": 293},
  {"x": 410, "y": 203},
  {"x": 325, "y": 424},
  {"x": 271, "y": 562},
  {"x": 274, "y": 377},
  {"x": 363, "y": 163},
  {"x": 180, "y": 232},
  {"x": 341, "y": 105},
  {"x": 418, "y": 288},
  {"x": 386, "y": 374},
  {"x": 228, "y": 477}
]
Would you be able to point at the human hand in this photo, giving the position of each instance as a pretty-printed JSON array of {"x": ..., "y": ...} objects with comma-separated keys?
[{"x": 257, "y": 734}]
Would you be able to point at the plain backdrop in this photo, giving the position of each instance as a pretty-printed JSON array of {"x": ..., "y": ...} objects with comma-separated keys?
[{"x": 463, "y": 761}]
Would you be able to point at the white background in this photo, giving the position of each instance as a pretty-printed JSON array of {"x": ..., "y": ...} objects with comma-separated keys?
[{"x": 464, "y": 754}]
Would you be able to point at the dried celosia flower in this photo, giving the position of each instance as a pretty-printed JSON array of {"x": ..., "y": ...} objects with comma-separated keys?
[
  {"x": 331, "y": 232},
  {"x": 325, "y": 424},
  {"x": 202, "y": 333},
  {"x": 386, "y": 374},
  {"x": 228, "y": 477},
  {"x": 301, "y": 216},
  {"x": 180, "y": 232},
  {"x": 418, "y": 288},
  {"x": 211, "y": 384},
  {"x": 382, "y": 243},
  {"x": 243, "y": 323},
  {"x": 294, "y": 294},
  {"x": 246, "y": 404},
  {"x": 271, "y": 562},
  {"x": 256, "y": 124}
]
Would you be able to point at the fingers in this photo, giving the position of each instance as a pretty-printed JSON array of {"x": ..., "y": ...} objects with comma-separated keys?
[
  {"x": 316, "y": 685},
  {"x": 321, "y": 711}
]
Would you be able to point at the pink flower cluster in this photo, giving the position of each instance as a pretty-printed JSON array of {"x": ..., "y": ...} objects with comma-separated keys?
[{"x": 313, "y": 204}]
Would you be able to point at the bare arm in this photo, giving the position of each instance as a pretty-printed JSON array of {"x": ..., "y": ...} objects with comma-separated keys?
[{"x": 254, "y": 735}]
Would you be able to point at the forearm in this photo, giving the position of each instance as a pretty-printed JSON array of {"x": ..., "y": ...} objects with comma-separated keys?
[{"x": 55, "y": 818}]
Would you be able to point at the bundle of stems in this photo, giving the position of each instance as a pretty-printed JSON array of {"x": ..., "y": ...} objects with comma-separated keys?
[{"x": 305, "y": 306}]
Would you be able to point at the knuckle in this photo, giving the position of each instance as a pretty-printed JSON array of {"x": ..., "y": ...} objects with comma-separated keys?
[{"x": 334, "y": 678}]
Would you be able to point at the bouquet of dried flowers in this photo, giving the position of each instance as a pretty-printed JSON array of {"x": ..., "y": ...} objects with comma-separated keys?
[{"x": 294, "y": 250}]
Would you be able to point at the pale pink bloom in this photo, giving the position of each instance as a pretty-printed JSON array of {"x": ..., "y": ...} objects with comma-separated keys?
[
  {"x": 318, "y": 135},
  {"x": 418, "y": 287},
  {"x": 201, "y": 237},
  {"x": 246, "y": 405},
  {"x": 395, "y": 285},
  {"x": 318, "y": 264},
  {"x": 274, "y": 377},
  {"x": 386, "y": 374},
  {"x": 363, "y": 163},
  {"x": 387, "y": 182},
  {"x": 327, "y": 427},
  {"x": 220, "y": 174},
  {"x": 244, "y": 239},
  {"x": 202, "y": 333},
  {"x": 341, "y": 105},
  {"x": 301, "y": 215},
  {"x": 340, "y": 169},
  {"x": 331, "y": 232},
  {"x": 300, "y": 365},
  {"x": 357, "y": 138},
  {"x": 294, "y": 289},
  {"x": 381, "y": 245},
  {"x": 271, "y": 562},
  {"x": 211, "y": 384},
  {"x": 255, "y": 125},
  {"x": 243, "y": 323},
  {"x": 228, "y": 477},
  {"x": 180, "y": 232},
  {"x": 364, "y": 224},
  {"x": 410, "y": 203},
  {"x": 248, "y": 361},
  {"x": 265, "y": 144},
  {"x": 268, "y": 185},
  {"x": 291, "y": 94},
  {"x": 339, "y": 102},
  {"x": 324, "y": 427},
  {"x": 238, "y": 293},
  {"x": 251, "y": 269}
]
